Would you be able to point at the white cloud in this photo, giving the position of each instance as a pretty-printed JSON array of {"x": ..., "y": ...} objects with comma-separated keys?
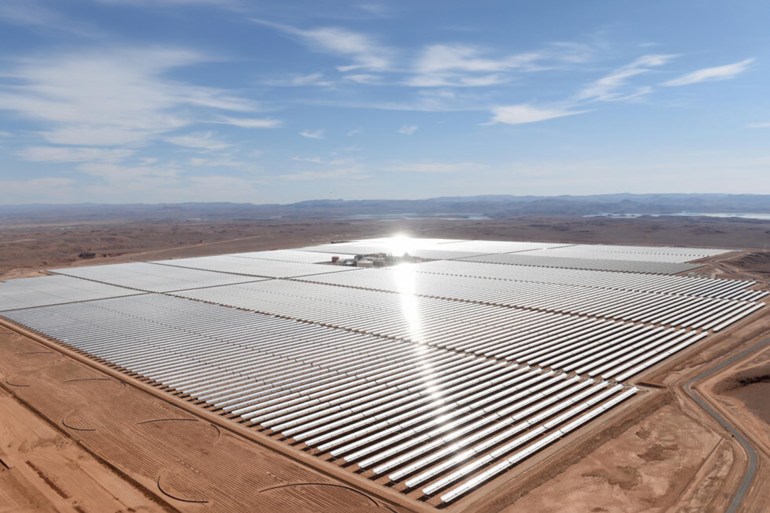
[
  {"x": 716, "y": 73},
  {"x": 220, "y": 162},
  {"x": 321, "y": 161},
  {"x": 3, "y": 133},
  {"x": 407, "y": 129},
  {"x": 354, "y": 132},
  {"x": 141, "y": 177},
  {"x": 365, "y": 51},
  {"x": 422, "y": 103},
  {"x": 525, "y": 113},
  {"x": 251, "y": 122},
  {"x": 312, "y": 134},
  {"x": 437, "y": 58},
  {"x": 72, "y": 154},
  {"x": 612, "y": 87},
  {"x": 171, "y": 3},
  {"x": 375, "y": 9},
  {"x": 106, "y": 135},
  {"x": 363, "y": 78},
  {"x": 436, "y": 167},
  {"x": 32, "y": 13},
  {"x": 759, "y": 125},
  {"x": 461, "y": 65},
  {"x": 111, "y": 97},
  {"x": 343, "y": 173},
  {"x": 202, "y": 141},
  {"x": 223, "y": 188},
  {"x": 300, "y": 80}
]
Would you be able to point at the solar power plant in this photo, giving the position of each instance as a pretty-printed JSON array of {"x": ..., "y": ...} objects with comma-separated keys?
[{"x": 431, "y": 378}]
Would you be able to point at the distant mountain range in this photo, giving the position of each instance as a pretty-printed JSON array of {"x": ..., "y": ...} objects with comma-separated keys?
[{"x": 487, "y": 206}]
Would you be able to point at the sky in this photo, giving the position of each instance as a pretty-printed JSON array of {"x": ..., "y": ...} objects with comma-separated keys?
[{"x": 162, "y": 101}]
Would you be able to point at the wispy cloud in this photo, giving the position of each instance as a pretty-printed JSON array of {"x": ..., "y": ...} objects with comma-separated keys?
[
  {"x": 313, "y": 134},
  {"x": 220, "y": 161},
  {"x": 116, "y": 173},
  {"x": 614, "y": 86},
  {"x": 342, "y": 173},
  {"x": 407, "y": 129},
  {"x": 172, "y": 3},
  {"x": 301, "y": 80},
  {"x": 322, "y": 161},
  {"x": 463, "y": 65},
  {"x": 759, "y": 125},
  {"x": 251, "y": 122},
  {"x": 32, "y": 13},
  {"x": 363, "y": 78},
  {"x": 73, "y": 154},
  {"x": 111, "y": 97},
  {"x": 525, "y": 113},
  {"x": 436, "y": 167},
  {"x": 707, "y": 74},
  {"x": 365, "y": 51},
  {"x": 201, "y": 141},
  {"x": 421, "y": 103},
  {"x": 375, "y": 9}
]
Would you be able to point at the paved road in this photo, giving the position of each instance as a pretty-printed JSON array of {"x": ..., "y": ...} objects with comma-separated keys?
[{"x": 751, "y": 467}]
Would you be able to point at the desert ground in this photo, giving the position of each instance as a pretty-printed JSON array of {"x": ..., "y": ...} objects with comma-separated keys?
[{"x": 78, "y": 436}]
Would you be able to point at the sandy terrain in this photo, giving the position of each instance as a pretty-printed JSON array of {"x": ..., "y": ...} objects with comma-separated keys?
[
  {"x": 43, "y": 470},
  {"x": 649, "y": 467},
  {"x": 657, "y": 453}
]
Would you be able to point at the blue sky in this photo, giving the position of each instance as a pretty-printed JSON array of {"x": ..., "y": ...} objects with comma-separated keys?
[{"x": 123, "y": 101}]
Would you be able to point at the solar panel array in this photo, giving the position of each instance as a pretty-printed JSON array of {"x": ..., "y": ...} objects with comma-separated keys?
[
  {"x": 51, "y": 290},
  {"x": 292, "y": 255},
  {"x": 432, "y": 248},
  {"x": 253, "y": 266},
  {"x": 150, "y": 277},
  {"x": 433, "y": 377},
  {"x": 629, "y": 266},
  {"x": 687, "y": 311},
  {"x": 645, "y": 253}
]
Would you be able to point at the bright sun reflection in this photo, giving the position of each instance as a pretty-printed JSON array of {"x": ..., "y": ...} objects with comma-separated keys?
[
  {"x": 405, "y": 284},
  {"x": 400, "y": 244},
  {"x": 406, "y": 277}
]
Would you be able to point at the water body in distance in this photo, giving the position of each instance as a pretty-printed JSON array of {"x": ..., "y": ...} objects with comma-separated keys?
[{"x": 742, "y": 215}]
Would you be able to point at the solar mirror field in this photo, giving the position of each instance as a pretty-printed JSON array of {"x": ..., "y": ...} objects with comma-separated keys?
[{"x": 428, "y": 366}]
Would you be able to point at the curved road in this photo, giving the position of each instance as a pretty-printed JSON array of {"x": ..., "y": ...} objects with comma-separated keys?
[{"x": 751, "y": 467}]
